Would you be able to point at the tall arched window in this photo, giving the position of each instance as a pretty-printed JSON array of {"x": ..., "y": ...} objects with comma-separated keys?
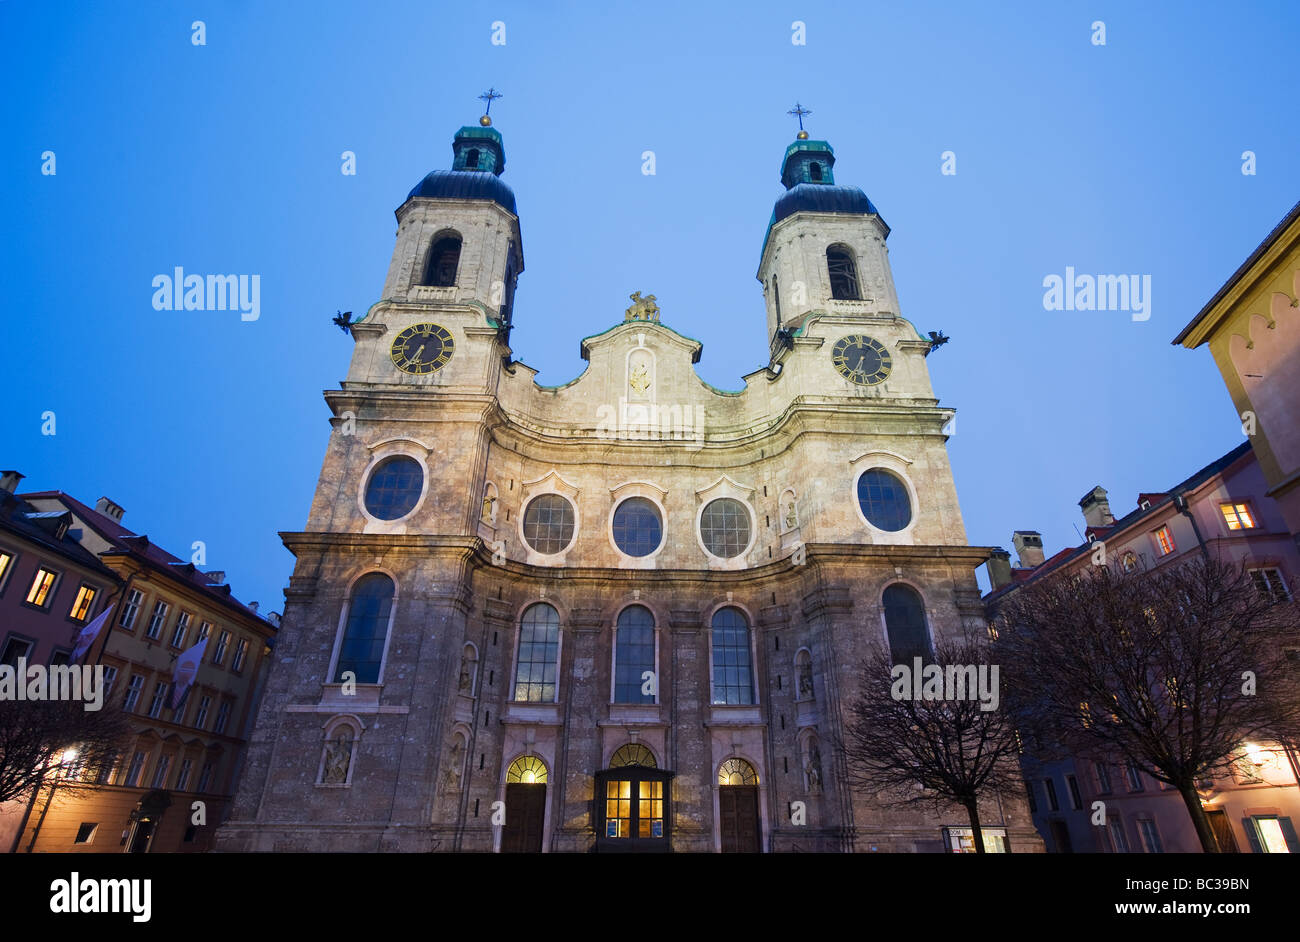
[
  {"x": 539, "y": 654},
  {"x": 843, "y": 272},
  {"x": 444, "y": 260},
  {"x": 634, "y": 655},
  {"x": 733, "y": 681},
  {"x": 362, "y": 649},
  {"x": 905, "y": 624},
  {"x": 776, "y": 299}
]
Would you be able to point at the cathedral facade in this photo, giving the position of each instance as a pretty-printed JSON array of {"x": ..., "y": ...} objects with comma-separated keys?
[{"x": 624, "y": 613}]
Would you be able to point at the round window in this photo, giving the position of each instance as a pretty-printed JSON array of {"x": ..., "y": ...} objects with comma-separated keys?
[
  {"x": 548, "y": 523},
  {"x": 394, "y": 487},
  {"x": 724, "y": 527},
  {"x": 884, "y": 501},
  {"x": 638, "y": 528}
]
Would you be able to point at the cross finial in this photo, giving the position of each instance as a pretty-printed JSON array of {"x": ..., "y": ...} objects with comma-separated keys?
[
  {"x": 489, "y": 96},
  {"x": 799, "y": 111}
]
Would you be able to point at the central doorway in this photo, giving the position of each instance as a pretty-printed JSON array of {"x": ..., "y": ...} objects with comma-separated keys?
[
  {"x": 738, "y": 826},
  {"x": 525, "y": 806}
]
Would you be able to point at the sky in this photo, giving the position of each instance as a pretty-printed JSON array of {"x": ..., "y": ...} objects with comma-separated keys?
[{"x": 225, "y": 157}]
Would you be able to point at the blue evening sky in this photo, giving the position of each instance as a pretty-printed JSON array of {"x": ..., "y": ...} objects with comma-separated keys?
[{"x": 225, "y": 158}]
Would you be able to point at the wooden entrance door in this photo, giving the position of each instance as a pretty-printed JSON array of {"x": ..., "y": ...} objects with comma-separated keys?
[
  {"x": 525, "y": 814},
  {"x": 738, "y": 818},
  {"x": 1223, "y": 831}
]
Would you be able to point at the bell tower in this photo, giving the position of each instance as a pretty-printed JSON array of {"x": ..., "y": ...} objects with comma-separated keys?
[{"x": 824, "y": 250}]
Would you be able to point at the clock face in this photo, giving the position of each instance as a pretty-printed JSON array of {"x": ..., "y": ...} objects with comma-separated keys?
[
  {"x": 423, "y": 348},
  {"x": 861, "y": 360}
]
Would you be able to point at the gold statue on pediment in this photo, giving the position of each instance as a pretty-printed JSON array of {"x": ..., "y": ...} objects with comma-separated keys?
[{"x": 642, "y": 309}]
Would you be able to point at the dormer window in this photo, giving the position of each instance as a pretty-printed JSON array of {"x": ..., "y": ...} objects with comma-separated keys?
[
  {"x": 444, "y": 260},
  {"x": 471, "y": 158},
  {"x": 843, "y": 273},
  {"x": 815, "y": 172}
]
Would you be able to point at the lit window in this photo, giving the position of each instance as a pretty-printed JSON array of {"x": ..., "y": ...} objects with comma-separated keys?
[
  {"x": 241, "y": 651},
  {"x": 157, "y": 620},
  {"x": 181, "y": 629},
  {"x": 733, "y": 681},
  {"x": 633, "y": 754},
  {"x": 526, "y": 770},
  {"x": 634, "y": 655},
  {"x": 548, "y": 523},
  {"x": 6, "y": 563},
  {"x": 1164, "y": 541},
  {"x": 724, "y": 527},
  {"x": 1271, "y": 834},
  {"x": 638, "y": 529},
  {"x": 39, "y": 593},
  {"x": 634, "y": 808},
  {"x": 394, "y": 487},
  {"x": 81, "y": 605},
  {"x": 737, "y": 772},
  {"x": 1237, "y": 516},
  {"x": 539, "y": 651},
  {"x": 905, "y": 624},
  {"x": 884, "y": 500}
]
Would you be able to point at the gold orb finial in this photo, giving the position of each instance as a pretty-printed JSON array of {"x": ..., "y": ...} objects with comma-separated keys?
[
  {"x": 802, "y": 135},
  {"x": 485, "y": 121}
]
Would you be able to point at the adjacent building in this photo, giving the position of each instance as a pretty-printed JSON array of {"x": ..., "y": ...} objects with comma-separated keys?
[
  {"x": 622, "y": 613},
  {"x": 172, "y": 784},
  {"x": 1227, "y": 509}
]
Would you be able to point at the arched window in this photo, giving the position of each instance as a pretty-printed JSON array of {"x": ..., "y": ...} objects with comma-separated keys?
[
  {"x": 526, "y": 770},
  {"x": 634, "y": 655},
  {"x": 803, "y": 675},
  {"x": 539, "y": 653},
  {"x": 776, "y": 299},
  {"x": 843, "y": 272},
  {"x": 883, "y": 500},
  {"x": 737, "y": 772},
  {"x": 905, "y": 624},
  {"x": 471, "y": 158},
  {"x": 733, "y": 681},
  {"x": 815, "y": 171},
  {"x": 633, "y": 754},
  {"x": 362, "y": 649},
  {"x": 444, "y": 259}
]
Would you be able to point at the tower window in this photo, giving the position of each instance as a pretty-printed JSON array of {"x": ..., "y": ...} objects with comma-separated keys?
[
  {"x": 733, "y": 681},
  {"x": 905, "y": 624},
  {"x": 444, "y": 259},
  {"x": 539, "y": 652},
  {"x": 815, "y": 172},
  {"x": 634, "y": 655},
  {"x": 776, "y": 299},
  {"x": 844, "y": 274},
  {"x": 365, "y": 632},
  {"x": 471, "y": 158},
  {"x": 884, "y": 501}
]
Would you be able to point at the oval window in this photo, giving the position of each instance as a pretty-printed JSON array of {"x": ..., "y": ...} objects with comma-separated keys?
[
  {"x": 884, "y": 500},
  {"x": 394, "y": 487},
  {"x": 638, "y": 527},
  {"x": 548, "y": 523},
  {"x": 724, "y": 527}
]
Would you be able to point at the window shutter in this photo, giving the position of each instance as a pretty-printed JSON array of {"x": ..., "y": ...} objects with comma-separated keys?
[
  {"x": 1288, "y": 831},
  {"x": 1252, "y": 835}
]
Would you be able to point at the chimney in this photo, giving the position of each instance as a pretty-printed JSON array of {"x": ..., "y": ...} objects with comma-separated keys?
[
  {"x": 1096, "y": 508},
  {"x": 9, "y": 481},
  {"x": 1029, "y": 548},
  {"x": 108, "y": 508},
  {"x": 274, "y": 618},
  {"x": 216, "y": 577},
  {"x": 252, "y": 607},
  {"x": 998, "y": 568}
]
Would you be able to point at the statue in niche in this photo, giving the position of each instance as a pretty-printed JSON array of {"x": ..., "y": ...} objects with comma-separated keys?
[
  {"x": 452, "y": 781},
  {"x": 791, "y": 517},
  {"x": 338, "y": 758},
  {"x": 805, "y": 680},
  {"x": 466, "y": 675},
  {"x": 489, "y": 508},
  {"x": 814, "y": 768}
]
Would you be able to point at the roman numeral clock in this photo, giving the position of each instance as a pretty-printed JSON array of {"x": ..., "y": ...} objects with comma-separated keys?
[
  {"x": 422, "y": 349},
  {"x": 861, "y": 360}
]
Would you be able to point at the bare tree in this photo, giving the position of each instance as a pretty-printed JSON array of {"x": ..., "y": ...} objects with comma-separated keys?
[
  {"x": 1171, "y": 669},
  {"x": 41, "y": 738},
  {"x": 949, "y": 749}
]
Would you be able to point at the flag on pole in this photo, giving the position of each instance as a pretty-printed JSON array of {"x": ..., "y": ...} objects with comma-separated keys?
[
  {"x": 187, "y": 668},
  {"x": 89, "y": 634}
]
